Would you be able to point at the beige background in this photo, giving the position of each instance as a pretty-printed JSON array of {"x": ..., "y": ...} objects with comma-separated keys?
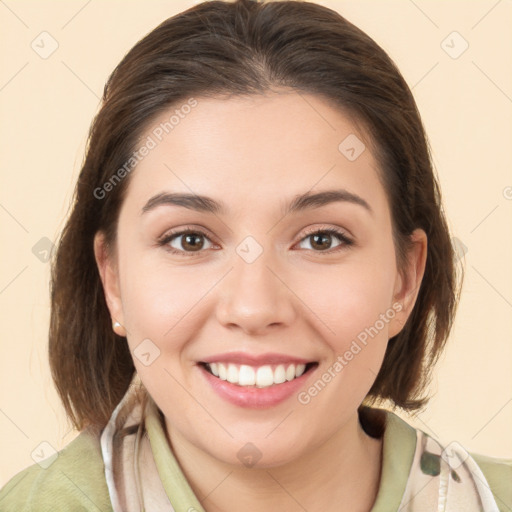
[{"x": 466, "y": 102}]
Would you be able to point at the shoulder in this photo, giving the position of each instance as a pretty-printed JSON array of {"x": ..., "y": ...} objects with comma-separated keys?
[
  {"x": 401, "y": 436},
  {"x": 498, "y": 473},
  {"x": 75, "y": 477}
]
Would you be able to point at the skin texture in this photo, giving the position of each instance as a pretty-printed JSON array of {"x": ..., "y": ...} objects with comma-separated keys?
[{"x": 255, "y": 154}]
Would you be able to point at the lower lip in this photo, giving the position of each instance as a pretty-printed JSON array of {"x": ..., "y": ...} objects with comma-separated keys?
[{"x": 255, "y": 398}]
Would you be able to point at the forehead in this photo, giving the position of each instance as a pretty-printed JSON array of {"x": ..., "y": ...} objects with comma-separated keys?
[{"x": 243, "y": 148}]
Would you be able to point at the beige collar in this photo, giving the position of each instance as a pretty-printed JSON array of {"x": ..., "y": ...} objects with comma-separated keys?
[{"x": 418, "y": 474}]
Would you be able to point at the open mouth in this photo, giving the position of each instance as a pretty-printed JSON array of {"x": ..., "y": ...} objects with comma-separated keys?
[{"x": 257, "y": 376}]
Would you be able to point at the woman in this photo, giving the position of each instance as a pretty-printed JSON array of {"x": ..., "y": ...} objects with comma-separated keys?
[{"x": 256, "y": 255}]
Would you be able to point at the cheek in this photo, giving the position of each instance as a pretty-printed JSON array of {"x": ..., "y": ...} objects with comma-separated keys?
[
  {"x": 356, "y": 311},
  {"x": 161, "y": 306},
  {"x": 353, "y": 298},
  {"x": 156, "y": 297}
]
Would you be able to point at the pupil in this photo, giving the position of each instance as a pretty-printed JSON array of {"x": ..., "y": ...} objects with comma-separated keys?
[
  {"x": 192, "y": 244},
  {"x": 323, "y": 238}
]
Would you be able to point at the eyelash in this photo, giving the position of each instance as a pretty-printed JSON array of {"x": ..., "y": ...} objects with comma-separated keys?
[{"x": 346, "y": 242}]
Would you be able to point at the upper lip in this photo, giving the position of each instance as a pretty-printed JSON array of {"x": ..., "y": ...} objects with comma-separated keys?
[{"x": 255, "y": 359}]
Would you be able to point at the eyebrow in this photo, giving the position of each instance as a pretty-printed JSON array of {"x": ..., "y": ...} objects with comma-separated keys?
[{"x": 299, "y": 203}]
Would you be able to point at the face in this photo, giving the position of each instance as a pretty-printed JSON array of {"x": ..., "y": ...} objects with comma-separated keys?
[{"x": 293, "y": 302}]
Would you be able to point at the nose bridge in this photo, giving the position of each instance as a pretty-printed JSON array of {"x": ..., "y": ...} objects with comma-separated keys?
[{"x": 253, "y": 296}]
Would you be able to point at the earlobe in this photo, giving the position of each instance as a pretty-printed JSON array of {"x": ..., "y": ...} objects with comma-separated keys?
[
  {"x": 409, "y": 279},
  {"x": 110, "y": 280}
]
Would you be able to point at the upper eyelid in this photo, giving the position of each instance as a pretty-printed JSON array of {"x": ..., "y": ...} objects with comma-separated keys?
[
  {"x": 340, "y": 232},
  {"x": 180, "y": 232}
]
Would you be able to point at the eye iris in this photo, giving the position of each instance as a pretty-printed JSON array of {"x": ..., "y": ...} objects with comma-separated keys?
[
  {"x": 321, "y": 238},
  {"x": 187, "y": 241}
]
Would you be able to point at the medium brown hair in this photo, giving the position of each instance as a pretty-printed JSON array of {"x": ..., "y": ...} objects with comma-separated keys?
[{"x": 241, "y": 48}]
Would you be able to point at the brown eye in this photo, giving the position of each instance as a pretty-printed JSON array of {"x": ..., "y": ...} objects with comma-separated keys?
[
  {"x": 321, "y": 240},
  {"x": 188, "y": 242},
  {"x": 192, "y": 241},
  {"x": 184, "y": 242}
]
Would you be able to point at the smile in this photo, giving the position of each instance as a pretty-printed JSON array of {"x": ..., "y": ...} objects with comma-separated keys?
[{"x": 257, "y": 376}]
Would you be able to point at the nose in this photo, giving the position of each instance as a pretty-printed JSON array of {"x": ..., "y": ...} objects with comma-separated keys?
[{"x": 255, "y": 296}]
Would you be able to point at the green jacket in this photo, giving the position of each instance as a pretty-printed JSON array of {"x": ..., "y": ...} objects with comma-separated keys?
[{"x": 76, "y": 479}]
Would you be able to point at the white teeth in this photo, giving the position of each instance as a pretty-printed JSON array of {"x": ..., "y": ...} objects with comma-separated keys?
[
  {"x": 299, "y": 370},
  {"x": 223, "y": 373},
  {"x": 246, "y": 376},
  {"x": 232, "y": 375},
  {"x": 279, "y": 374},
  {"x": 262, "y": 377},
  {"x": 290, "y": 372}
]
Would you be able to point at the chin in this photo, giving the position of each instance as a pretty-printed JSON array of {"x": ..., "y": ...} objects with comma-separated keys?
[{"x": 257, "y": 454}]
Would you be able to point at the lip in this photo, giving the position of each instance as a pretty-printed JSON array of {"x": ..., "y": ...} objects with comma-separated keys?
[
  {"x": 255, "y": 360},
  {"x": 253, "y": 397}
]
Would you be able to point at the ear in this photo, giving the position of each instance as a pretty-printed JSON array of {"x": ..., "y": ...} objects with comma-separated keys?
[
  {"x": 109, "y": 275},
  {"x": 408, "y": 282}
]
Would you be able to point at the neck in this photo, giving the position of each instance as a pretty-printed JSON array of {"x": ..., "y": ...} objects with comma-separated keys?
[{"x": 342, "y": 474}]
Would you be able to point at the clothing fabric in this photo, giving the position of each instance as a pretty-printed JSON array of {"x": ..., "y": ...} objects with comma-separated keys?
[{"x": 129, "y": 466}]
